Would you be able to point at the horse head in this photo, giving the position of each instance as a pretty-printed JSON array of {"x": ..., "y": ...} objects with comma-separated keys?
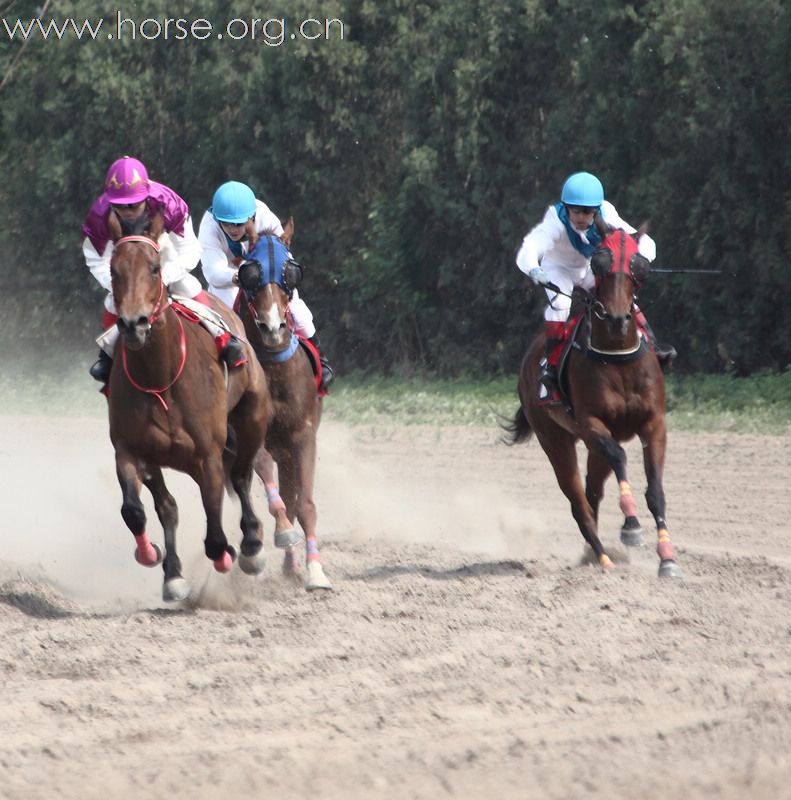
[
  {"x": 268, "y": 279},
  {"x": 137, "y": 286},
  {"x": 620, "y": 270}
]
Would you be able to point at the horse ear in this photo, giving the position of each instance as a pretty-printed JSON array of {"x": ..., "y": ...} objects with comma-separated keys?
[
  {"x": 156, "y": 226},
  {"x": 601, "y": 226},
  {"x": 642, "y": 229},
  {"x": 114, "y": 226},
  {"x": 252, "y": 234},
  {"x": 288, "y": 232}
]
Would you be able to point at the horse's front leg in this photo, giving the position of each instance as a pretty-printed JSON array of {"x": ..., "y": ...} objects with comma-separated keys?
[
  {"x": 174, "y": 587},
  {"x": 306, "y": 512},
  {"x": 287, "y": 476},
  {"x": 253, "y": 558},
  {"x": 560, "y": 449},
  {"x": 286, "y": 535},
  {"x": 654, "y": 447},
  {"x": 211, "y": 481},
  {"x": 132, "y": 511},
  {"x": 599, "y": 440}
]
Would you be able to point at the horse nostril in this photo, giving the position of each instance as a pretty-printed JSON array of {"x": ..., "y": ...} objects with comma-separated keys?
[{"x": 142, "y": 322}]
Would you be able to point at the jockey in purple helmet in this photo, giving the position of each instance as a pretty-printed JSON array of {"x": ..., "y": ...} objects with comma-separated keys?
[
  {"x": 135, "y": 199},
  {"x": 558, "y": 250},
  {"x": 234, "y": 216}
]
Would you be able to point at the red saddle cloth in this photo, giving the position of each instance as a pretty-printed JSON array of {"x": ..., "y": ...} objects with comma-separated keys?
[{"x": 315, "y": 363}]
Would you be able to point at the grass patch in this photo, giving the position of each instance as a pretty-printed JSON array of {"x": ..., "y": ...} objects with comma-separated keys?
[{"x": 759, "y": 404}]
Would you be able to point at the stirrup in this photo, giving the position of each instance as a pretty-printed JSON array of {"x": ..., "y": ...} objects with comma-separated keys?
[
  {"x": 327, "y": 374},
  {"x": 665, "y": 354},
  {"x": 233, "y": 353},
  {"x": 100, "y": 369}
]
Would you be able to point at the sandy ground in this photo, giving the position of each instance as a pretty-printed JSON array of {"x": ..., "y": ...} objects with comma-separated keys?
[{"x": 465, "y": 651}]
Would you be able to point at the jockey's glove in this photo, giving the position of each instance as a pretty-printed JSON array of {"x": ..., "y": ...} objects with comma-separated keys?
[{"x": 538, "y": 276}]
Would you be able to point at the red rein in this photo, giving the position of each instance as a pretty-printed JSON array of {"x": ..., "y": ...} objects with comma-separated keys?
[{"x": 159, "y": 309}]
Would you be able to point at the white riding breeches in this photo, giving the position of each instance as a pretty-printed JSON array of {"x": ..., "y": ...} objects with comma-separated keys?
[{"x": 565, "y": 279}]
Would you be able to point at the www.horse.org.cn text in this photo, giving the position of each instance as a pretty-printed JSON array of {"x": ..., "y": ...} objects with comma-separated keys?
[{"x": 271, "y": 31}]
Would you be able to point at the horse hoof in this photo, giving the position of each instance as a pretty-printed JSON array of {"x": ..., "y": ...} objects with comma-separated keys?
[
  {"x": 175, "y": 589},
  {"x": 632, "y": 533},
  {"x": 225, "y": 561},
  {"x": 287, "y": 538},
  {"x": 669, "y": 569},
  {"x": 253, "y": 565},
  {"x": 148, "y": 562},
  {"x": 316, "y": 578}
]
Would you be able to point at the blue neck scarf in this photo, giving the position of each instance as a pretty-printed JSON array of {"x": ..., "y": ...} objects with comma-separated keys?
[
  {"x": 592, "y": 234},
  {"x": 234, "y": 247}
]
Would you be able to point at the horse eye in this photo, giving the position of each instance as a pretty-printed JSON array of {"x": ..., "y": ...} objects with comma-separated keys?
[{"x": 155, "y": 268}]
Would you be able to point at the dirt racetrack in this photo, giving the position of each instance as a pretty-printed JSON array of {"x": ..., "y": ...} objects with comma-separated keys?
[{"x": 464, "y": 653}]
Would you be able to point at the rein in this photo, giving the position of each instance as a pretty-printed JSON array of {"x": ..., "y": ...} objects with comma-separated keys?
[
  {"x": 159, "y": 392},
  {"x": 161, "y": 305}
]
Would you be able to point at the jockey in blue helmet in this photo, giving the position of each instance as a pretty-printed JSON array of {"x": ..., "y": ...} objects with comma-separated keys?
[
  {"x": 558, "y": 250},
  {"x": 228, "y": 231}
]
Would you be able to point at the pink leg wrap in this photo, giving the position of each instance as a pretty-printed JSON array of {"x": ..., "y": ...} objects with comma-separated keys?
[
  {"x": 664, "y": 547},
  {"x": 628, "y": 506},
  {"x": 273, "y": 496},
  {"x": 224, "y": 562},
  {"x": 146, "y": 554},
  {"x": 312, "y": 549},
  {"x": 290, "y": 560}
]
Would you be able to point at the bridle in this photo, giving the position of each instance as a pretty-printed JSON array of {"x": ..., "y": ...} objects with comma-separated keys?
[{"x": 161, "y": 305}]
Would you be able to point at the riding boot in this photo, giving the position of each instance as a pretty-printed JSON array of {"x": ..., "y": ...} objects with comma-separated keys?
[
  {"x": 548, "y": 390},
  {"x": 548, "y": 385},
  {"x": 665, "y": 353},
  {"x": 100, "y": 369},
  {"x": 230, "y": 350},
  {"x": 327, "y": 372}
]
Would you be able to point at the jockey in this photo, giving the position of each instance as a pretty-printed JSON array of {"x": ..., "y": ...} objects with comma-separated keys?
[
  {"x": 134, "y": 198},
  {"x": 227, "y": 232},
  {"x": 558, "y": 250}
]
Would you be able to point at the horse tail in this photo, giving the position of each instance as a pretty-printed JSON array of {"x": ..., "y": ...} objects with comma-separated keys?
[{"x": 517, "y": 430}]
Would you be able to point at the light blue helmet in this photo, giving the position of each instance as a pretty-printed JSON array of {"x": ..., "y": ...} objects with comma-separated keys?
[
  {"x": 582, "y": 189},
  {"x": 233, "y": 202}
]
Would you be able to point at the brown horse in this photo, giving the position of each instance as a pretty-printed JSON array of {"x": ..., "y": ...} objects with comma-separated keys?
[
  {"x": 267, "y": 280},
  {"x": 169, "y": 406},
  {"x": 614, "y": 388}
]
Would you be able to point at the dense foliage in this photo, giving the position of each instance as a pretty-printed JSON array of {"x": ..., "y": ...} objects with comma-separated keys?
[{"x": 415, "y": 153}]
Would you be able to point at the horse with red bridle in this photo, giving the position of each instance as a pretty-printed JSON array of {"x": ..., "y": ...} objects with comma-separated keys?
[
  {"x": 613, "y": 387},
  {"x": 169, "y": 406},
  {"x": 266, "y": 280}
]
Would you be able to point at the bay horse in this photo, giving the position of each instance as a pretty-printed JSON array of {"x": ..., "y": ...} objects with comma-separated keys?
[
  {"x": 169, "y": 406},
  {"x": 266, "y": 279},
  {"x": 614, "y": 389}
]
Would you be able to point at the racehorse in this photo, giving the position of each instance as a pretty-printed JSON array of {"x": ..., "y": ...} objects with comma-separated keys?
[
  {"x": 614, "y": 389},
  {"x": 169, "y": 406},
  {"x": 267, "y": 280}
]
